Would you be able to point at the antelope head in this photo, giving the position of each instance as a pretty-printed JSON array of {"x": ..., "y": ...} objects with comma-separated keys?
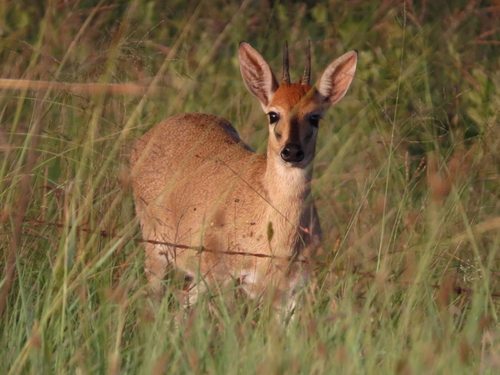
[{"x": 295, "y": 109}]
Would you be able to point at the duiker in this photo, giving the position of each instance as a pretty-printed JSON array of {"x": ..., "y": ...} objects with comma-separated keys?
[{"x": 196, "y": 183}]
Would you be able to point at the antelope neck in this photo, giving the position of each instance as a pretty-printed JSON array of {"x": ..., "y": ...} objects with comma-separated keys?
[{"x": 284, "y": 183}]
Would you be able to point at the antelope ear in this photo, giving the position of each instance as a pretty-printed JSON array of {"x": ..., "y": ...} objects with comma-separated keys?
[
  {"x": 257, "y": 75},
  {"x": 337, "y": 77}
]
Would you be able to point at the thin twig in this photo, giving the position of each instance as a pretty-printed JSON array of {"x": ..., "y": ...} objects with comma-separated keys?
[
  {"x": 457, "y": 288},
  {"x": 104, "y": 233}
]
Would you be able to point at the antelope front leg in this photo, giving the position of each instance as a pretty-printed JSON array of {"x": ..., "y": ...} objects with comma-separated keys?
[
  {"x": 279, "y": 287},
  {"x": 155, "y": 266}
]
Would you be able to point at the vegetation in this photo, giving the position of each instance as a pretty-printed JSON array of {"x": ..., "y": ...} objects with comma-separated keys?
[{"x": 406, "y": 178}]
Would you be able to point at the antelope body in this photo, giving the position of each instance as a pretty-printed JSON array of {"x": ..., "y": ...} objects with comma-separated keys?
[{"x": 197, "y": 184}]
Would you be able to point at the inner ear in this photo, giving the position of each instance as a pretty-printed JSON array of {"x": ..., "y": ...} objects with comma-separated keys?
[
  {"x": 337, "y": 78},
  {"x": 257, "y": 74}
]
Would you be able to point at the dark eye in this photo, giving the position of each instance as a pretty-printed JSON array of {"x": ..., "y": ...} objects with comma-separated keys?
[
  {"x": 314, "y": 120},
  {"x": 273, "y": 117}
]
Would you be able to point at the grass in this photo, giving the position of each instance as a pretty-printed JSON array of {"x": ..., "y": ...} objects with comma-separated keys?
[{"x": 407, "y": 184}]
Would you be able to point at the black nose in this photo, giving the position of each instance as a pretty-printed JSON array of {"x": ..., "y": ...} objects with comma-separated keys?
[{"x": 292, "y": 153}]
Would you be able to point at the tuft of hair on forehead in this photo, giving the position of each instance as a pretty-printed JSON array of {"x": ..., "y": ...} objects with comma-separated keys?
[{"x": 291, "y": 93}]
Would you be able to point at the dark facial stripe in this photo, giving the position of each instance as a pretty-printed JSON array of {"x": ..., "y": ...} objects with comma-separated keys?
[{"x": 294, "y": 131}]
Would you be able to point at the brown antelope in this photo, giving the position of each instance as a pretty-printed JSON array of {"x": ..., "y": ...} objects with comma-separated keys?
[{"x": 196, "y": 183}]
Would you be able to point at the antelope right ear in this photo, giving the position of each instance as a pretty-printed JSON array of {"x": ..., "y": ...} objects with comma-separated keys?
[
  {"x": 257, "y": 74},
  {"x": 337, "y": 77}
]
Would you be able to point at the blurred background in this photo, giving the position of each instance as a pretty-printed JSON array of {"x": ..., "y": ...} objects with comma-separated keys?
[{"x": 406, "y": 182}]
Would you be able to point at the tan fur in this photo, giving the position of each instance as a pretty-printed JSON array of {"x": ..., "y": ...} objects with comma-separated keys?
[{"x": 196, "y": 183}]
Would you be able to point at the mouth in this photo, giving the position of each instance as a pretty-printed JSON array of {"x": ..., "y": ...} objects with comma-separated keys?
[{"x": 302, "y": 164}]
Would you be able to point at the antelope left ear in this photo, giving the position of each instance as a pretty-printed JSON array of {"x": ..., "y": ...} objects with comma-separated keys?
[
  {"x": 257, "y": 74},
  {"x": 337, "y": 77}
]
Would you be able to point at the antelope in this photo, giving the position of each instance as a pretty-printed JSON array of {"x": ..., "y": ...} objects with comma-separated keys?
[{"x": 197, "y": 184}]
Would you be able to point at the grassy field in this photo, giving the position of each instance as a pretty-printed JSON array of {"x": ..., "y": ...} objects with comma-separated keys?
[{"x": 406, "y": 179}]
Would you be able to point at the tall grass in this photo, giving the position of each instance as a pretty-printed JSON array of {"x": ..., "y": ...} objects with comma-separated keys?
[{"x": 406, "y": 180}]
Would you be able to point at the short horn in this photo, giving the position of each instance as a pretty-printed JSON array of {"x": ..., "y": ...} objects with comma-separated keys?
[
  {"x": 306, "y": 79},
  {"x": 286, "y": 65}
]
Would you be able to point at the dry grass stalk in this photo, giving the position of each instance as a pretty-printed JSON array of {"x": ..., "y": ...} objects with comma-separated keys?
[{"x": 79, "y": 88}]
